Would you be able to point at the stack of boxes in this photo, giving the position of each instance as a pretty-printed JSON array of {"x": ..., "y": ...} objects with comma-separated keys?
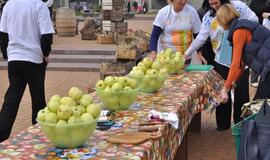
[{"x": 113, "y": 18}]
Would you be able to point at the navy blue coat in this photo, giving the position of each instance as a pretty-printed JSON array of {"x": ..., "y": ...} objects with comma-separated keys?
[{"x": 256, "y": 54}]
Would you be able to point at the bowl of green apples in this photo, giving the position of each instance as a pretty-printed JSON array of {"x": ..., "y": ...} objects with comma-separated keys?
[
  {"x": 150, "y": 76},
  {"x": 69, "y": 121},
  {"x": 172, "y": 61},
  {"x": 117, "y": 93}
]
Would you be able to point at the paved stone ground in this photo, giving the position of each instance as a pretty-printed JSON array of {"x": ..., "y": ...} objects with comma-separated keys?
[{"x": 207, "y": 145}]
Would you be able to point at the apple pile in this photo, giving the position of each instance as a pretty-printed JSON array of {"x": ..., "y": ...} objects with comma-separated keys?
[
  {"x": 149, "y": 75},
  {"x": 76, "y": 108},
  {"x": 172, "y": 61},
  {"x": 69, "y": 121},
  {"x": 117, "y": 93}
]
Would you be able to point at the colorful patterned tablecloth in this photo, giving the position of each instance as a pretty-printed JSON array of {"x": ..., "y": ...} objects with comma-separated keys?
[{"x": 185, "y": 94}]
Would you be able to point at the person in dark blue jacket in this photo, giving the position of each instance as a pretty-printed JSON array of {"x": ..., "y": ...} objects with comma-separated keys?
[{"x": 250, "y": 41}]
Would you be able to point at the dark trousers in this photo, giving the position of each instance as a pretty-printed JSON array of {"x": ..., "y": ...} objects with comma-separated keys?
[
  {"x": 21, "y": 73},
  {"x": 241, "y": 96},
  {"x": 263, "y": 90}
]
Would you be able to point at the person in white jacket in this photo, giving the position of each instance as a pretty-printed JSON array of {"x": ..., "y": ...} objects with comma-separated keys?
[{"x": 210, "y": 28}]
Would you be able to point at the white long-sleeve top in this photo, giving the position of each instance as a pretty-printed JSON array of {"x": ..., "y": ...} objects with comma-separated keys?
[
  {"x": 211, "y": 28},
  {"x": 49, "y": 3}
]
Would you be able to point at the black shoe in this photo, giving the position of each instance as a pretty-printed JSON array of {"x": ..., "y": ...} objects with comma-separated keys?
[{"x": 222, "y": 128}]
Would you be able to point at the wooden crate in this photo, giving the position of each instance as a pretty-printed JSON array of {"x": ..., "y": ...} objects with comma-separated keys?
[
  {"x": 117, "y": 16},
  {"x": 105, "y": 39},
  {"x": 119, "y": 68},
  {"x": 142, "y": 34},
  {"x": 89, "y": 37},
  {"x": 142, "y": 44},
  {"x": 106, "y": 15},
  {"x": 126, "y": 52},
  {"x": 119, "y": 27},
  {"x": 88, "y": 31}
]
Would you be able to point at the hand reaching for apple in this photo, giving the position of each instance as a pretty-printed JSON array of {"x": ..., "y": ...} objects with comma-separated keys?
[{"x": 153, "y": 55}]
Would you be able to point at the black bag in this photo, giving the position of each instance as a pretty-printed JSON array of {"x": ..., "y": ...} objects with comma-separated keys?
[{"x": 255, "y": 136}]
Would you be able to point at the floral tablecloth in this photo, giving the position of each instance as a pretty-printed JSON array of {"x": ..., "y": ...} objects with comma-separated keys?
[{"x": 185, "y": 94}]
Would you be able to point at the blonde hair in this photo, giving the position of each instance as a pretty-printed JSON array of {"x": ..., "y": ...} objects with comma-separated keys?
[{"x": 225, "y": 14}]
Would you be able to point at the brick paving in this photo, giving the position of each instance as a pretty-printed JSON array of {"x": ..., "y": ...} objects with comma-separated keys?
[{"x": 207, "y": 145}]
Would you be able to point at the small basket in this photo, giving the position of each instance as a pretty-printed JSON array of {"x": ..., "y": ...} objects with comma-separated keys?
[
  {"x": 127, "y": 52},
  {"x": 105, "y": 39}
]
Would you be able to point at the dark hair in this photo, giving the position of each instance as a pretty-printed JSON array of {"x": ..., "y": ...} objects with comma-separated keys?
[
  {"x": 212, "y": 11},
  {"x": 204, "y": 9},
  {"x": 206, "y": 5}
]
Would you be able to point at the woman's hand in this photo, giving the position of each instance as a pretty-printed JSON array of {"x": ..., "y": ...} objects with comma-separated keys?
[
  {"x": 201, "y": 57},
  {"x": 265, "y": 14},
  {"x": 153, "y": 55},
  {"x": 224, "y": 95},
  {"x": 46, "y": 59}
]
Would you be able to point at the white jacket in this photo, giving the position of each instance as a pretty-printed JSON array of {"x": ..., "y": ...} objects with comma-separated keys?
[{"x": 210, "y": 28}]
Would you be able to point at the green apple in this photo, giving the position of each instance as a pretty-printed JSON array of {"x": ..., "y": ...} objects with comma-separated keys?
[
  {"x": 115, "y": 78},
  {"x": 134, "y": 68},
  {"x": 107, "y": 90},
  {"x": 147, "y": 62},
  {"x": 176, "y": 59},
  {"x": 86, "y": 100},
  {"x": 61, "y": 127},
  {"x": 125, "y": 102},
  {"x": 168, "y": 52},
  {"x": 86, "y": 117},
  {"x": 123, "y": 81},
  {"x": 74, "y": 120},
  {"x": 71, "y": 120},
  {"x": 139, "y": 73},
  {"x": 112, "y": 101},
  {"x": 147, "y": 79},
  {"x": 163, "y": 71},
  {"x": 78, "y": 120},
  {"x": 127, "y": 88},
  {"x": 76, "y": 112},
  {"x": 53, "y": 105},
  {"x": 51, "y": 118},
  {"x": 100, "y": 85},
  {"x": 161, "y": 54},
  {"x": 94, "y": 110},
  {"x": 64, "y": 112},
  {"x": 41, "y": 115},
  {"x": 47, "y": 110},
  {"x": 132, "y": 83},
  {"x": 75, "y": 93},
  {"x": 156, "y": 65},
  {"x": 153, "y": 72},
  {"x": 178, "y": 54},
  {"x": 82, "y": 109},
  {"x": 67, "y": 101},
  {"x": 142, "y": 67},
  {"x": 133, "y": 73},
  {"x": 109, "y": 81},
  {"x": 163, "y": 60},
  {"x": 55, "y": 98},
  {"x": 117, "y": 87}
]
